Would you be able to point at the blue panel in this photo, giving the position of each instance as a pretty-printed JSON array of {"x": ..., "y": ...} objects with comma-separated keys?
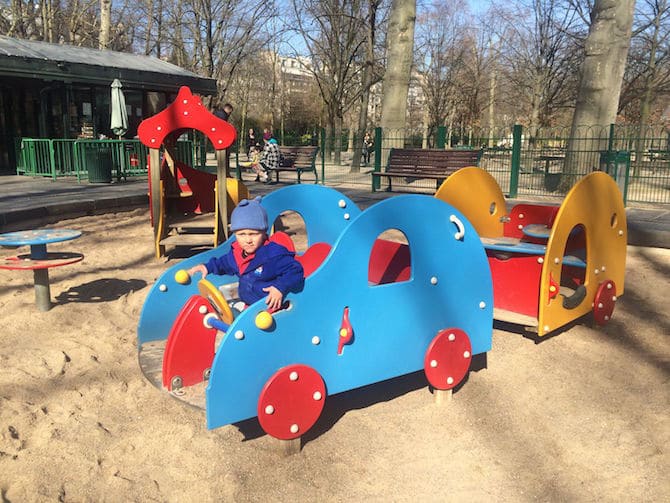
[
  {"x": 515, "y": 246},
  {"x": 393, "y": 324},
  {"x": 323, "y": 210}
]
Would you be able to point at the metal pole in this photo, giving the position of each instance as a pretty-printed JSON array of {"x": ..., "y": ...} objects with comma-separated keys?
[
  {"x": 42, "y": 291},
  {"x": 323, "y": 156},
  {"x": 516, "y": 161}
]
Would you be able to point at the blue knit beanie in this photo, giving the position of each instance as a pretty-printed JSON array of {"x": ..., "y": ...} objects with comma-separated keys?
[{"x": 249, "y": 215}]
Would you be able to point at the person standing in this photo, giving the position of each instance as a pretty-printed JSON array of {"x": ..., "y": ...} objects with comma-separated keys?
[
  {"x": 251, "y": 141},
  {"x": 224, "y": 112},
  {"x": 368, "y": 147}
]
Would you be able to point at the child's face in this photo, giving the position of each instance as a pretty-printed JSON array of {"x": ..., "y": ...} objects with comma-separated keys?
[{"x": 250, "y": 240}]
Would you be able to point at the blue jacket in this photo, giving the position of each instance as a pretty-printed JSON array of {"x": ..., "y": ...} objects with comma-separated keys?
[{"x": 272, "y": 265}]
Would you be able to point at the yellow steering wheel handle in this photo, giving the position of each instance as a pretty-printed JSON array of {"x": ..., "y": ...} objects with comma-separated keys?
[{"x": 214, "y": 295}]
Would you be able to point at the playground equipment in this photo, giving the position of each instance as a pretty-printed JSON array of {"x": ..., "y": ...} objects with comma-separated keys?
[
  {"x": 187, "y": 207},
  {"x": 39, "y": 260},
  {"x": 550, "y": 264},
  {"x": 372, "y": 308}
]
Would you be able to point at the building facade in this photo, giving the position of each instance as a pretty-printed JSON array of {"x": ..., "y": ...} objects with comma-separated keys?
[{"x": 59, "y": 91}]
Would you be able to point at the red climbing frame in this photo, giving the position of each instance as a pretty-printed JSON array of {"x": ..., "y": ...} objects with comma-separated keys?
[{"x": 186, "y": 112}]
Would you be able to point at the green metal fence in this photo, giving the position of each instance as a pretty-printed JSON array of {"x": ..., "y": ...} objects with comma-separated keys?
[
  {"x": 95, "y": 160},
  {"x": 541, "y": 163}
]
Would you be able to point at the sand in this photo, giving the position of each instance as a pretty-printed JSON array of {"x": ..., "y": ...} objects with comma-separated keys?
[{"x": 582, "y": 416}]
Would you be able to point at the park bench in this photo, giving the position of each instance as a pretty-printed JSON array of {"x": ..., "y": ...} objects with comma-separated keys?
[
  {"x": 298, "y": 160},
  {"x": 435, "y": 164}
]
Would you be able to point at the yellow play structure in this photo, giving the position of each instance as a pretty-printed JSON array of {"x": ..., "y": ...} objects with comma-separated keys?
[{"x": 550, "y": 264}]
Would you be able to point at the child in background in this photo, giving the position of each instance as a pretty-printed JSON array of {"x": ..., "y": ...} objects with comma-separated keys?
[
  {"x": 266, "y": 269},
  {"x": 254, "y": 163}
]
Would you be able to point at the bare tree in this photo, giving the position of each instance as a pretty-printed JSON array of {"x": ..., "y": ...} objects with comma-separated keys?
[
  {"x": 218, "y": 35},
  {"x": 334, "y": 36},
  {"x": 647, "y": 76},
  {"x": 368, "y": 79},
  {"x": 539, "y": 55},
  {"x": 440, "y": 61},
  {"x": 399, "y": 55}
]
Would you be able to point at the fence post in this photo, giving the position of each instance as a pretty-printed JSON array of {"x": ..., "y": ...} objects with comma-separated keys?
[
  {"x": 610, "y": 140},
  {"x": 323, "y": 156},
  {"x": 516, "y": 160},
  {"x": 52, "y": 159},
  {"x": 376, "y": 182},
  {"x": 440, "y": 141}
]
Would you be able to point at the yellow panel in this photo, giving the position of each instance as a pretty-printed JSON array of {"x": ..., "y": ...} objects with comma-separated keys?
[
  {"x": 159, "y": 223},
  {"x": 236, "y": 192},
  {"x": 596, "y": 203},
  {"x": 476, "y": 194}
]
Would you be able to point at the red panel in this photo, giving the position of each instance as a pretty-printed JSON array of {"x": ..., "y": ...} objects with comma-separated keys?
[
  {"x": 389, "y": 262},
  {"x": 516, "y": 282},
  {"x": 201, "y": 184},
  {"x": 346, "y": 331},
  {"x": 189, "y": 350},
  {"x": 313, "y": 257},
  {"x": 52, "y": 259},
  {"x": 448, "y": 358},
  {"x": 291, "y": 401},
  {"x": 525, "y": 214},
  {"x": 603, "y": 304},
  {"x": 186, "y": 112},
  {"x": 281, "y": 238}
]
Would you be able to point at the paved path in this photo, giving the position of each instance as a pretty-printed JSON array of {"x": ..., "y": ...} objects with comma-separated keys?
[{"x": 27, "y": 202}]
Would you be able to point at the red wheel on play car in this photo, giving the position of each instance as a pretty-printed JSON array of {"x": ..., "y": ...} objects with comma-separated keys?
[
  {"x": 291, "y": 401},
  {"x": 448, "y": 358},
  {"x": 603, "y": 303}
]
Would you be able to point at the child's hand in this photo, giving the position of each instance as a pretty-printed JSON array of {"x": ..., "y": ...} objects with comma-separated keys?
[
  {"x": 274, "y": 298},
  {"x": 198, "y": 268}
]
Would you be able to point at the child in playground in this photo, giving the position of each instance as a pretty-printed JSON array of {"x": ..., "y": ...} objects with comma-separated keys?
[
  {"x": 265, "y": 268},
  {"x": 254, "y": 163}
]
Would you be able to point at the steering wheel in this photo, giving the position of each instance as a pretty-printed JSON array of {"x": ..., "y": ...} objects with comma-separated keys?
[{"x": 214, "y": 295}]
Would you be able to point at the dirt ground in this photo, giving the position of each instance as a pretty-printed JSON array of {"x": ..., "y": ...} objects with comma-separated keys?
[{"x": 582, "y": 416}]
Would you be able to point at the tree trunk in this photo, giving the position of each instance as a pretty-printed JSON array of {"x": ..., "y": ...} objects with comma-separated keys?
[
  {"x": 105, "y": 23},
  {"x": 367, "y": 82},
  {"x": 149, "y": 27},
  {"x": 399, "y": 53},
  {"x": 337, "y": 153},
  {"x": 605, "y": 53},
  {"x": 492, "y": 101}
]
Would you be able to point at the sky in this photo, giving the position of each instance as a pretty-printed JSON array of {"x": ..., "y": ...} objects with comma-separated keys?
[{"x": 479, "y": 5}]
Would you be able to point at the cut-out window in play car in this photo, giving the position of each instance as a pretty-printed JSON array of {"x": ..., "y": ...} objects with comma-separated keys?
[
  {"x": 292, "y": 224},
  {"x": 390, "y": 260},
  {"x": 573, "y": 270}
]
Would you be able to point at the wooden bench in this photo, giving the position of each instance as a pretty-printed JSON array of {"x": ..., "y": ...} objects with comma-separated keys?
[
  {"x": 435, "y": 164},
  {"x": 298, "y": 160}
]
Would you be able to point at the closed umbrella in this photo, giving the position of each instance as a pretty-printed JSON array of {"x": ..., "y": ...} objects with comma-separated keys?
[{"x": 119, "y": 123}]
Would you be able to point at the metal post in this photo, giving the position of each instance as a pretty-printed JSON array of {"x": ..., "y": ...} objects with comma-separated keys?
[
  {"x": 323, "y": 156},
  {"x": 42, "y": 291},
  {"x": 41, "y": 278},
  {"x": 516, "y": 160},
  {"x": 440, "y": 141},
  {"x": 52, "y": 159},
  {"x": 376, "y": 182}
]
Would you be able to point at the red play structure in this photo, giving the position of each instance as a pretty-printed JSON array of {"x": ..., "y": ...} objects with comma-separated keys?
[{"x": 186, "y": 207}]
